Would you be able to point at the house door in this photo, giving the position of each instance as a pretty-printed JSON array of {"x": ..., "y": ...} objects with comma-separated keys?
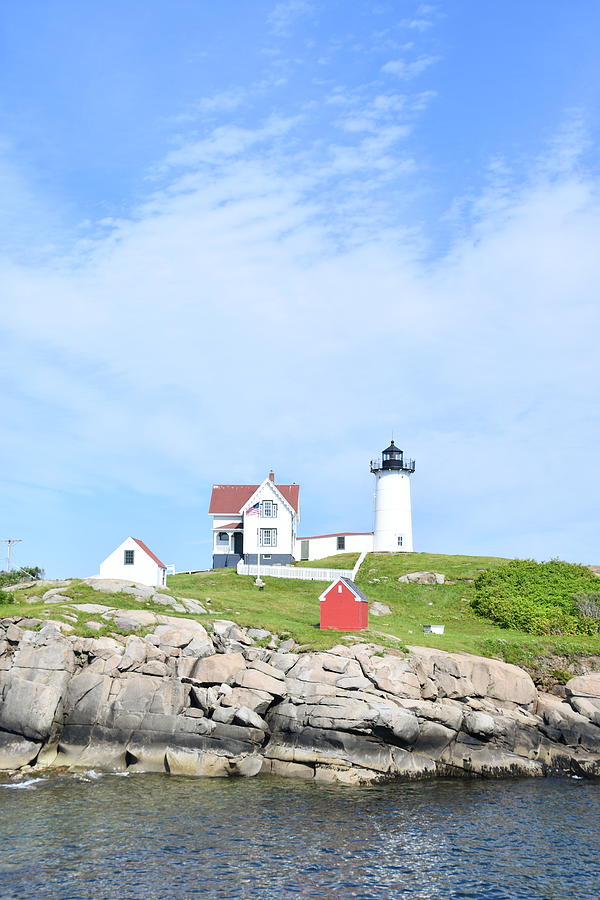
[
  {"x": 238, "y": 543},
  {"x": 303, "y": 549}
]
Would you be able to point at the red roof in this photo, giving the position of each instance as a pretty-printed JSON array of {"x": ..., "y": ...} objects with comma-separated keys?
[
  {"x": 228, "y": 499},
  {"x": 335, "y": 534},
  {"x": 231, "y": 527},
  {"x": 150, "y": 553}
]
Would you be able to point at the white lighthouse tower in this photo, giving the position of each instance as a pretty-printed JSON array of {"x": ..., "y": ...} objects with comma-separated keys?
[{"x": 393, "y": 518}]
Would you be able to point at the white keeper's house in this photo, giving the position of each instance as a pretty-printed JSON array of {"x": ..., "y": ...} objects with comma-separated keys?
[{"x": 253, "y": 519}]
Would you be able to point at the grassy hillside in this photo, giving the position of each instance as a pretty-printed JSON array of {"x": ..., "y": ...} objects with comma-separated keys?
[
  {"x": 339, "y": 561},
  {"x": 292, "y": 607}
]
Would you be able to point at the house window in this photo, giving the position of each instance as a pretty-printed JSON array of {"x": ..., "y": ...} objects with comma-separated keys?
[
  {"x": 268, "y": 509},
  {"x": 129, "y": 557},
  {"x": 268, "y": 537},
  {"x": 341, "y": 543},
  {"x": 223, "y": 537},
  {"x": 339, "y": 589},
  {"x": 400, "y": 540}
]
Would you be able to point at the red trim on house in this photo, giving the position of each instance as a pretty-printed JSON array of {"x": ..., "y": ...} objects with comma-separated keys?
[
  {"x": 335, "y": 534},
  {"x": 233, "y": 526},
  {"x": 149, "y": 552},
  {"x": 229, "y": 499}
]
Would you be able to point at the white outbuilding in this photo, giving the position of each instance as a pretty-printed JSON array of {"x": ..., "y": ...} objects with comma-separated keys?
[{"x": 134, "y": 561}]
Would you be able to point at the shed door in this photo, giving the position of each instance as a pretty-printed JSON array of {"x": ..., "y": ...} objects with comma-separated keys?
[{"x": 303, "y": 549}]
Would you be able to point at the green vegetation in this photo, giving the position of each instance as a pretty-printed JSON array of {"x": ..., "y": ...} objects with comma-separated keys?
[
  {"x": 339, "y": 561},
  {"x": 22, "y": 574},
  {"x": 287, "y": 606},
  {"x": 6, "y": 597},
  {"x": 539, "y": 598}
]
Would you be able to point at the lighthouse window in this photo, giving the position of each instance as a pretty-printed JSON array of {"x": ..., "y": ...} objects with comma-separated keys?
[
  {"x": 268, "y": 509},
  {"x": 341, "y": 543},
  {"x": 400, "y": 541}
]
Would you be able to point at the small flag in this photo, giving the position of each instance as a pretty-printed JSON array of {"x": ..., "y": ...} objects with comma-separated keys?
[{"x": 253, "y": 510}]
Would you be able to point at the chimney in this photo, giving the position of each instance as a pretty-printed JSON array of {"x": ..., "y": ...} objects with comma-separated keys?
[{"x": 271, "y": 475}]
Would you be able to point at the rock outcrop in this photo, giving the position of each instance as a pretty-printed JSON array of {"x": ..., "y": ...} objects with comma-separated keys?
[{"x": 186, "y": 700}]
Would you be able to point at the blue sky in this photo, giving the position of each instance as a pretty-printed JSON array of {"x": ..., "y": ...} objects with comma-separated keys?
[{"x": 248, "y": 235}]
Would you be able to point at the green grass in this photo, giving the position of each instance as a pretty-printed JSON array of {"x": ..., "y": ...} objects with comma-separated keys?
[
  {"x": 339, "y": 561},
  {"x": 293, "y": 606},
  {"x": 287, "y": 606}
]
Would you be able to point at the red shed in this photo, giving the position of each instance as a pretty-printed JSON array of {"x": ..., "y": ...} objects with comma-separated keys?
[{"x": 344, "y": 606}]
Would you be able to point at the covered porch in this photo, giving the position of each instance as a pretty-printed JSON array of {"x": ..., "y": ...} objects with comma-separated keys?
[{"x": 228, "y": 545}]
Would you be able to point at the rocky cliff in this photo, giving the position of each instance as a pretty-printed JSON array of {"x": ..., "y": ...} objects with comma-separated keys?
[{"x": 180, "y": 700}]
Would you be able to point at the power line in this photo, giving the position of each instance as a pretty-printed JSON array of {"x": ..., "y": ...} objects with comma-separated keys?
[{"x": 9, "y": 545}]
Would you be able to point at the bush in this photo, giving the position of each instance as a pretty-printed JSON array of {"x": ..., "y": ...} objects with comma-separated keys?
[
  {"x": 6, "y": 597},
  {"x": 21, "y": 574},
  {"x": 588, "y": 605},
  {"x": 538, "y": 598}
]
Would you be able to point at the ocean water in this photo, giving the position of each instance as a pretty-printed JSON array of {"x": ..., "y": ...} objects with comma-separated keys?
[{"x": 76, "y": 837}]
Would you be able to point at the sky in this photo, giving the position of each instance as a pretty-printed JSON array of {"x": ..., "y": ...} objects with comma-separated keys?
[{"x": 248, "y": 235}]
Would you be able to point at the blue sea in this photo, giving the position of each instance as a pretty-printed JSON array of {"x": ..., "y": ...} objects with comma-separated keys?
[{"x": 76, "y": 837}]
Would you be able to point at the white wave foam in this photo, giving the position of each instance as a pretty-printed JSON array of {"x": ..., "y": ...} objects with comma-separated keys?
[{"x": 18, "y": 785}]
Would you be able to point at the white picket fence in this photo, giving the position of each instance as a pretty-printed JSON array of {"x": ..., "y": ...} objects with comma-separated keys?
[{"x": 300, "y": 572}]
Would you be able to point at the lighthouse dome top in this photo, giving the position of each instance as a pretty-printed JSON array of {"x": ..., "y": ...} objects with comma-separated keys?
[
  {"x": 392, "y": 459},
  {"x": 392, "y": 449}
]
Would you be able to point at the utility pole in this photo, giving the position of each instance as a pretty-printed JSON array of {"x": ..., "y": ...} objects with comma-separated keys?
[{"x": 9, "y": 545}]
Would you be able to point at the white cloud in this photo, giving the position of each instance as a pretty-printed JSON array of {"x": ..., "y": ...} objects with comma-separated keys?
[
  {"x": 408, "y": 70},
  {"x": 284, "y": 15},
  {"x": 223, "y": 101},
  {"x": 245, "y": 314}
]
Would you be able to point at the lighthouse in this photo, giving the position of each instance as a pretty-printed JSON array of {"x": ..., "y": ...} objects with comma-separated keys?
[{"x": 393, "y": 518}]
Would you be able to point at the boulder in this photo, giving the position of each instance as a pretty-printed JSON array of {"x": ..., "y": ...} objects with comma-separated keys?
[
  {"x": 479, "y": 724},
  {"x": 588, "y": 707},
  {"x": 584, "y": 686},
  {"x": 471, "y": 756},
  {"x": 257, "y": 701},
  {"x": 259, "y": 634},
  {"x": 120, "y": 586},
  {"x": 181, "y": 634},
  {"x": 259, "y": 681},
  {"x": 224, "y": 630},
  {"x": 224, "y": 714},
  {"x": 17, "y": 751},
  {"x": 192, "y": 606},
  {"x": 260, "y": 666},
  {"x": 379, "y": 609},
  {"x": 422, "y": 578},
  {"x": 216, "y": 669},
  {"x": 95, "y": 609},
  {"x": 246, "y": 716},
  {"x": 166, "y": 600},
  {"x": 401, "y": 723},
  {"x": 393, "y": 675}
]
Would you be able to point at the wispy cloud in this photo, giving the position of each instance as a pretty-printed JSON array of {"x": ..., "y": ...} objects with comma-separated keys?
[
  {"x": 284, "y": 15},
  {"x": 134, "y": 345},
  {"x": 405, "y": 70}
]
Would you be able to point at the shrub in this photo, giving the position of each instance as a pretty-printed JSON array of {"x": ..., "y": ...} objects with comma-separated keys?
[
  {"x": 538, "y": 598},
  {"x": 21, "y": 574},
  {"x": 588, "y": 605},
  {"x": 6, "y": 597}
]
